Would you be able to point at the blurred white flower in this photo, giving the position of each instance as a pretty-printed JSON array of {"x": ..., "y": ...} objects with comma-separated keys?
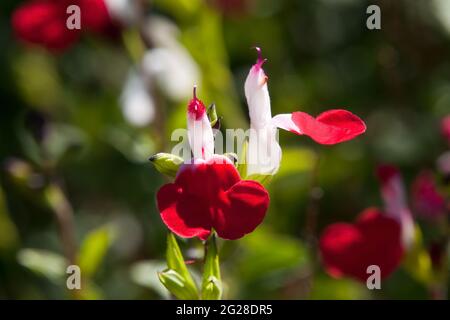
[
  {"x": 169, "y": 63},
  {"x": 138, "y": 105},
  {"x": 442, "y": 13},
  {"x": 173, "y": 70},
  {"x": 124, "y": 11}
]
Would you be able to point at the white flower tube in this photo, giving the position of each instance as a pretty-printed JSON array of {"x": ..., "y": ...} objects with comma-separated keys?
[
  {"x": 264, "y": 152},
  {"x": 395, "y": 204},
  {"x": 200, "y": 134}
]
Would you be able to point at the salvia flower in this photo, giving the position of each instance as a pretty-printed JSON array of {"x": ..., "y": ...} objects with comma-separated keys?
[
  {"x": 209, "y": 193},
  {"x": 330, "y": 127},
  {"x": 349, "y": 249}
]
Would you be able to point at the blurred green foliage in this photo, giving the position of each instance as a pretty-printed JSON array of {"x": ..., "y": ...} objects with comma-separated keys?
[{"x": 61, "y": 125}]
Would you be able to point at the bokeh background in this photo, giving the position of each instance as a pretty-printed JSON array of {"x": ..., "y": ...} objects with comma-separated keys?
[{"x": 77, "y": 129}]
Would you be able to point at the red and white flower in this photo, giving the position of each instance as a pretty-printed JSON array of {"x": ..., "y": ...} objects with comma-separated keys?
[
  {"x": 330, "y": 127},
  {"x": 209, "y": 193}
]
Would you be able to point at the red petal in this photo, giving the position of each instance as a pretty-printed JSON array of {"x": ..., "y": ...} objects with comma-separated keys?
[
  {"x": 374, "y": 239},
  {"x": 186, "y": 216},
  {"x": 330, "y": 127},
  {"x": 241, "y": 210},
  {"x": 205, "y": 190},
  {"x": 208, "y": 178}
]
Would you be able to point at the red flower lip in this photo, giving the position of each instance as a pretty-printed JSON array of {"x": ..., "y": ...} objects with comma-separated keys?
[
  {"x": 210, "y": 194},
  {"x": 374, "y": 239},
  {"x": 330, "y": 127}
]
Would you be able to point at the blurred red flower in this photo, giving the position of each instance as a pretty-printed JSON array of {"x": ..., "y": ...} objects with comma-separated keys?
[
  {"x": 445, "y": 128},
  {"x": 43, "y": 22},
  {"x": 427, "y": 201},
  {"x": 374, "y": 239},
  {"x": 210, "y": 194}
]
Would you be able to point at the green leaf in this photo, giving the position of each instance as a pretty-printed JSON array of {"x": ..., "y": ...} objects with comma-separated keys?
[
  {"x": 37, "y": 78},
  {"x": 145, "y": 273},
  {"x": 175, "y": 262},
  {"x": 327, "y": 288},
  {"x": 9, "y": 237},
  {"x": 45, "y": 263},
  {"x": 211, "y": 283},
  {"x": 266, "y": 255},
  {"x": 212, "y": 289},
  {"x": 133, "y": 44},
  {"x": 166, "y": 163},
  {"x": 212, "y": 114},
  {"x": 417, "y": 261},
  {"x": 93, "y": 250},
  {"x": 177, "y": 285}
]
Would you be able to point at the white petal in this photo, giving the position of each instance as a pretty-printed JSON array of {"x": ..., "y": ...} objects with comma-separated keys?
[
  {"x": 201, "y": 138},
  {"x": 284, "y": 121},
  {"x": 137, "y": 104},
  {"x": 258, "y": 98},
  {"x": 264, "y": 151}
]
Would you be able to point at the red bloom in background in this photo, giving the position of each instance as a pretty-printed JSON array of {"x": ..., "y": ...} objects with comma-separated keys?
[
  {"x": 445, "y": 128},
  {"x": 374, "y": 239},
  {"x": 427, "y": 201},
  {"x": 43, "y": 22},
  {"x": 95, "y": 17},
  {"x": 210, "y": 194}
]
